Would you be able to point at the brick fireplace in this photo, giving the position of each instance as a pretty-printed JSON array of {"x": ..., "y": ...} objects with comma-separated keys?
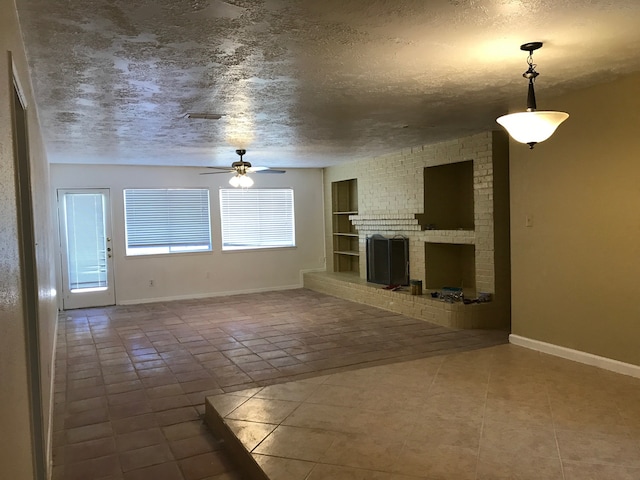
[{"x": 451, "y": 200}]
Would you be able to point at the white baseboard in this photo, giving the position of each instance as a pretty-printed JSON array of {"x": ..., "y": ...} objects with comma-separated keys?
[
  {"x": 577, "y": 356},
  {"x": 207, "y": 295}
]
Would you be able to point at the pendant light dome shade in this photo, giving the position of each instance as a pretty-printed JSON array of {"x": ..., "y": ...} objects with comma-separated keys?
[{"x": 532, "y": 127}]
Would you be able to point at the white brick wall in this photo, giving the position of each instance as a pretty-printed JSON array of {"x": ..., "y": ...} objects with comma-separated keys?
[{"x": 391, "y": 194}]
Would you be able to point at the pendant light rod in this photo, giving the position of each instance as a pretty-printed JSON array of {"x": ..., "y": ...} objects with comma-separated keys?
[
  {"x": 531, "y": 73},
  {"x": 531, "y": 98}
]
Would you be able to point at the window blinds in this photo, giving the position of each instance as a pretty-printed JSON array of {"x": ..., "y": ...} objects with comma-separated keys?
[
  {"x": 257, "y": 218},
  {"x": 86, "y": 241},
  {"x": 167, "y": 220}
]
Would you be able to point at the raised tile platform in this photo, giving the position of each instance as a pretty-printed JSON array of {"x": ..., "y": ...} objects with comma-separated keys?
[
  {"x": 497, "y": 412},
  {"x": 423, "y": 307}
]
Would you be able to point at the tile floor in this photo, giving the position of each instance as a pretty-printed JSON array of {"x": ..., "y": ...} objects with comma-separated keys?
[
  {"x": 131, "y": 381},
  {"x": 501, "y": 412}
]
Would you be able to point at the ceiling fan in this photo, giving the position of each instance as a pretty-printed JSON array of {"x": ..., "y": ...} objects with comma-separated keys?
[{"x": 241, "y": 169}]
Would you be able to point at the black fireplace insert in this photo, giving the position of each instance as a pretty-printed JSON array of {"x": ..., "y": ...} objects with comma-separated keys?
[{"x": 388, "y": 260}]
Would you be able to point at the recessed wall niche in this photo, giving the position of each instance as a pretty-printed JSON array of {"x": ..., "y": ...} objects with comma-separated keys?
[
  {"x": 344, "y": 203},
  {"x": 448, "y": 196},
  {"x": 450, "y": 265}
]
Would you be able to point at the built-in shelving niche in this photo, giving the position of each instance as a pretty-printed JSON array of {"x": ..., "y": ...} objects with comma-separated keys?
[
  {"x": 450, "y": 265},
  {"x": 448, "y": 197},
  {"x": 344, "y": 202}
]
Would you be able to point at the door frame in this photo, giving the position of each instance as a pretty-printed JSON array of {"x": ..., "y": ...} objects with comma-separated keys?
[{"x": 28, "y": 269}]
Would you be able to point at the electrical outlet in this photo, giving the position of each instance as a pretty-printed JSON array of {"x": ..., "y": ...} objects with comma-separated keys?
[{"x": 151, "y": 283}]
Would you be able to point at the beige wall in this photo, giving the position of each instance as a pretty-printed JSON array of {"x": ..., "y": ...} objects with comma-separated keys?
[
  {"x": 15, "y": 440},
  {"x": 209, "y": 273},
  {"x": 575, "y": 271}
]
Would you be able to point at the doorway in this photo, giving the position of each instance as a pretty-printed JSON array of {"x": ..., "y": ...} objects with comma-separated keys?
[{"x": 85, "y": 233}]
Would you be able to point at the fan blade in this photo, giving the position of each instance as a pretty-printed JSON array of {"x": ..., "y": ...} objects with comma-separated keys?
[
  {"x": 226, "y": 169},
  {"x": 264, "y": 170},
  {"x": 220, "y": 171}
]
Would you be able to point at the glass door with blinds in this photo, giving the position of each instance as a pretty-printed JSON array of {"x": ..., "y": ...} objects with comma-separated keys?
[{"x": 87, "y": 263}]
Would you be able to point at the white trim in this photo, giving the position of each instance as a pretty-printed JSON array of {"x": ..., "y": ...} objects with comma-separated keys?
[
  {"x": 208, "y": 295},
  {"x": 18, "y": 84},
  {"x": 577, "y": 356}
]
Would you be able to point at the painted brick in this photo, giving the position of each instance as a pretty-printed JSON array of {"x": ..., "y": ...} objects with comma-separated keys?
[{"x": 391, "y": 194}]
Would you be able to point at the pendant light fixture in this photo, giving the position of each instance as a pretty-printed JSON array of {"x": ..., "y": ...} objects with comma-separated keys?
[{"x": 532, "y": 127}]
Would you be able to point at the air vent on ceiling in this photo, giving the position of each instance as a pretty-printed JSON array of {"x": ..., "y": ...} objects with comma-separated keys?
[{"x": 204, "y": 116}]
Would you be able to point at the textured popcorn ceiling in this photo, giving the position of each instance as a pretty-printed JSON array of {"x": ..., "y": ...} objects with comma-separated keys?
[{"x": 302, "y": 82}]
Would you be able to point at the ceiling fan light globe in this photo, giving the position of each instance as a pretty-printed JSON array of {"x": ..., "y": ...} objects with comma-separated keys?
[
  {"x": 532, "y": 127},
  {"x": 245, "y": 181},
  {"x": 235, "y": 181}
]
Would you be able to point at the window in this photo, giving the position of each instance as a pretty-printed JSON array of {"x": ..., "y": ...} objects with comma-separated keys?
[
  {"x": 257, "y": 218},
  {"x": 161, "y": 221}
]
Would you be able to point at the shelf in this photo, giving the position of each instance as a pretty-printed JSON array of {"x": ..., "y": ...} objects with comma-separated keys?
[
  {"x": 437, "y": 231},
  {"x": 344, "y": 203}
]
